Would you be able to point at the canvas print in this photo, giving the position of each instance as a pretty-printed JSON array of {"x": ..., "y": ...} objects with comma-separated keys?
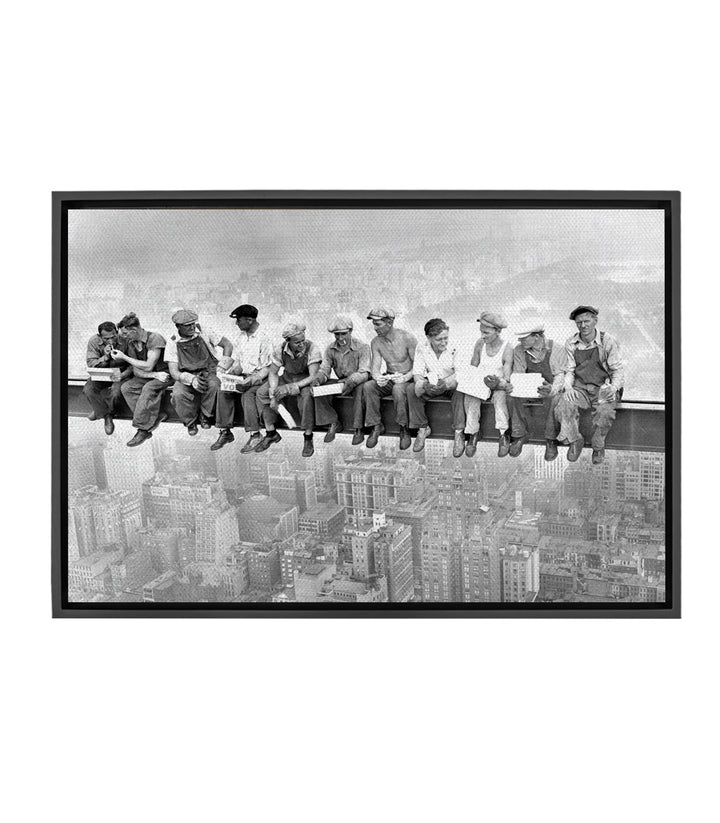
[{"x": 290, "y": 406}]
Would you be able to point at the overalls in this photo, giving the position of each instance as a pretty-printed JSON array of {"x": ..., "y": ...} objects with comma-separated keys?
[
  {"x": 194, "y": 356},
  {"x": 590, "y": 376}
]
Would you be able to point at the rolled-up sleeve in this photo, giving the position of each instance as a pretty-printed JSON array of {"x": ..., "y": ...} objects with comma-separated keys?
[
  {"x": 614, "y": 362},
  {"x": 95, "y": 354},
  {"x": 314, "y": 355},
  {"x": 171, "y": 355},
  {"x": 420, "y": 367},
  {"x": 264, "y": 353},
  {"x": 519, "y": 365},
  {"x": 276, "y": 356},
  {"x": 327, "y": 364}
]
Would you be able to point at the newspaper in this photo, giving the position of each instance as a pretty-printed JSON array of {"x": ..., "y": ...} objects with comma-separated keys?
[
  {"x": 104, "y": 375},
  {"x": 526, "y": 385},
  {"x": 287, "y": 417},
  {"x": 470, "y": 381},
  {"x": 328, "y": 388}
]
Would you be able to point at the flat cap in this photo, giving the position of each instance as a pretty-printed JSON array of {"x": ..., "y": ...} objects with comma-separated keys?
[
  {"x": 246, "y": 310},
  {"x": 341, "y": 322},
  {"x": 183, "y": 316},
  {"x": 292, "y": 329},
  {"x": 380, "y": 314},
  {"x": 532, "y": 327},
  {"x": 492, "y": 318},
  {"x": 582, "y": 309}
]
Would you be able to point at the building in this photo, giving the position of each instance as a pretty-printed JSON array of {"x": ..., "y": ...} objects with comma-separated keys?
[
  {"x": 216, "y": 530},
  {"x": 170, "y": 500},
  {"x": 293, "y": 488},
  {"x": 263, "y": 567},
  {"x": 520, "y": 573},
  {"x": 522, "y": 529},
  {"x": 127, "y": 469},
  {"x": 417, "y": 515},
  {"x": 262, "y": 519},
  {"x": 480, "y": 577},
  {"x": 557, "y": 582},
  {"x": 394, "y": 560},
  {"x": 554, "y": 470},
  {"x": 161, "y": 545},
  {"x": 560, "y": 525},
  {"x": 163, "y": 589},
  {"x": 91, "y": 573},
  {"x": 81, "y": 468},
  {"x": 309, "y": 582},
  {"x": 97, "y": 519},
  {"x": 365, "y": 485},
  {"x": 325, "y": 520}
]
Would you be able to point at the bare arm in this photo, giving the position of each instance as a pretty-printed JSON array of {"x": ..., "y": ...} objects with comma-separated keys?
[{"x": 376, "y": 364}]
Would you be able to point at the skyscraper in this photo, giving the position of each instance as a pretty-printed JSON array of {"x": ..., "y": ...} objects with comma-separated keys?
[
  {"x": 216, "y": 530},
  {"x": 520, "y": 573},
  {"x": 393, "y": 559},
  {"x": 365, "y": 485}
]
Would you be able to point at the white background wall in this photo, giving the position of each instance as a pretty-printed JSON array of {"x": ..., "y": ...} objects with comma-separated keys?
[{"x": 440, "y": 720}]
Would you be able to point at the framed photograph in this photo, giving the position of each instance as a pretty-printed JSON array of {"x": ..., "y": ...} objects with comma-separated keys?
[{"x": 366, "y": 404}]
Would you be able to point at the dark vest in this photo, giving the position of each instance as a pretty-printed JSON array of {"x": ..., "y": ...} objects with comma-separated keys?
[
  {"x": 296, "y": 368},
  {"x": 194, "y": 356},
  {"x": 543, "y": 367},
  {"x": 588, "y": 369}
]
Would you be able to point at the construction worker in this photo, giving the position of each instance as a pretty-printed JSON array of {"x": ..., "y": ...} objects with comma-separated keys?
[
  {"x": 144, "y": 392},
  {"x": 104, "y": 397},
  {"x": 593, "y": 379},
  {"x": 434, "y": 377},
  {"x": 493, "y": 357},
  {"x": 300, "y": 359},
  {"x": 252, "y": 351},
  {"x": 191, "y": 358},
  {"x": 396, "y": 348},
  {"x": 349, "y": 358},
  {"x": 536, "y": 354}
]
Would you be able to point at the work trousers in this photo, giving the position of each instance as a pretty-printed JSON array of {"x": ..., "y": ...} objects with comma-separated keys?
[
  {"x": 567, "y": 414},
  {"x": 145, "y": 398},
  {"x": 473, "y": 409},
  {"x": 190, "y": 403},
  {"x": 301, "y": 405},
  {"x": 416, "y": 406},
  {"x": 372, "y": 394},
  {"x": 104, "y": 398},
  {"x": 225, "y": 409},
  {"x": 519, "y": 426},
  {"x": 326, "y": 414}
]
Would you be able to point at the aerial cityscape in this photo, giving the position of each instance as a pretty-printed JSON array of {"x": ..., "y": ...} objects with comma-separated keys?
[{"x": 174, "y": 522}]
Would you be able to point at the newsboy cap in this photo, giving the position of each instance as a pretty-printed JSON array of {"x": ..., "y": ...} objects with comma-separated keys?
[
  {"x": 582, "y": 309},
  {"x": 246, "y": 310},
  {"x": 341, "y": 322},
  {"x": 492, "y": 318},
  {"x": 532, "y": 327},
  {"x": 183, "y": 316},
  {"x": 380, "y": 314},
  {"x": 292, "y": 329}
]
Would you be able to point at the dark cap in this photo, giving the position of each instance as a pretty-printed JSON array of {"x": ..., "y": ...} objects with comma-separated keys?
[
  {"x": 246, "y": 310},
  {"x": 582, "y": 309}
]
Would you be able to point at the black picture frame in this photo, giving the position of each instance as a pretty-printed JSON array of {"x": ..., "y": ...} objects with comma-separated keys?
[{"x": 62, "y": 202}]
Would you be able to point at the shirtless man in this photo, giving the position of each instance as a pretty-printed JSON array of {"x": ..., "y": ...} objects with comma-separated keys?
[{"x": 396, "y": 347}]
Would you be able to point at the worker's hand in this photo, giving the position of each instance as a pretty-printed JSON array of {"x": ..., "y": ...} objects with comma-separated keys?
[
  {"x": 200, "y": 382},
  {"x": 108, "y": 349},
  {"x": 571, "y": 394},
  {"x": 382, "y": 380},
  {"x": 281, "y": 392},
  {"x": 400, "y": 378},
  {"x": 348, "y": 386},
  {"x": 162, "y": 376},
  {"x": 318, "y": 380},
  {"x": 545, "y": 389},
  {"x": 436, "y": 390},
  {"x": 293, "y": 389},
  {"x": 274, "y": 403},
  {"x": 420, "y": 388},
  {"x": 507, "y": 386},
  {"x": 224, "y": 363},
  {"x": 117, "y": 354},
  {"x": 450, "y": 382},
  {"x": 607, "y": 394},
  {"x": 492, "y": 381}
]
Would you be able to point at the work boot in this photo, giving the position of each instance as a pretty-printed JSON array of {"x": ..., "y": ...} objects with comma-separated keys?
[
  {"x": 551, "y": 450},
  {"x": 139, "y": 437},
  {"x": 516, "y": 446},
  {"x": 375, "y": 435},
  {"x": 459, "y": 444},
  {"x": 226, "y": 436},
  {"x": 109, "y": 425},
  {"x": 192, "y": 428},
  {"x": 422, "y": 435},
  {"x": 405, "y": 439},
  {"x": 267, "y": 441},
  {"x": 204, "y": 422},
  {"x": 471, "y": 445},
  {"x": 598, "y": 456},
  {"x": 575, "y": 449},
  {"x": 358, "y": 437},
  {"x": 308, "y": 448},
  {"x": 503, "y": 445},
  {"x": 332, "y": 431},
  {"x": 252, "y": 442},
  {"x": 92, "y": 416}
]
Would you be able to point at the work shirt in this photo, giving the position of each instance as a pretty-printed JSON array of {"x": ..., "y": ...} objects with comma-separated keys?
[
  {"x": 428, "y": 364},
  {"x": 251, "y": 352},
  {"x": 211, "y": 338},
  {"x": 521, "y": 358},
  {"x": 95, "y": 355},
  {"x": 139, "y": 349},
  {"x": 353, "y": 359},
  {"x": 608, "y": 354},
  {"x": 282, "y": 350}
]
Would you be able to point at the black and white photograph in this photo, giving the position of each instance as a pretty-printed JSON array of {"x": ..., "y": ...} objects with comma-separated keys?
[{"x": 367, "y": 407}]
